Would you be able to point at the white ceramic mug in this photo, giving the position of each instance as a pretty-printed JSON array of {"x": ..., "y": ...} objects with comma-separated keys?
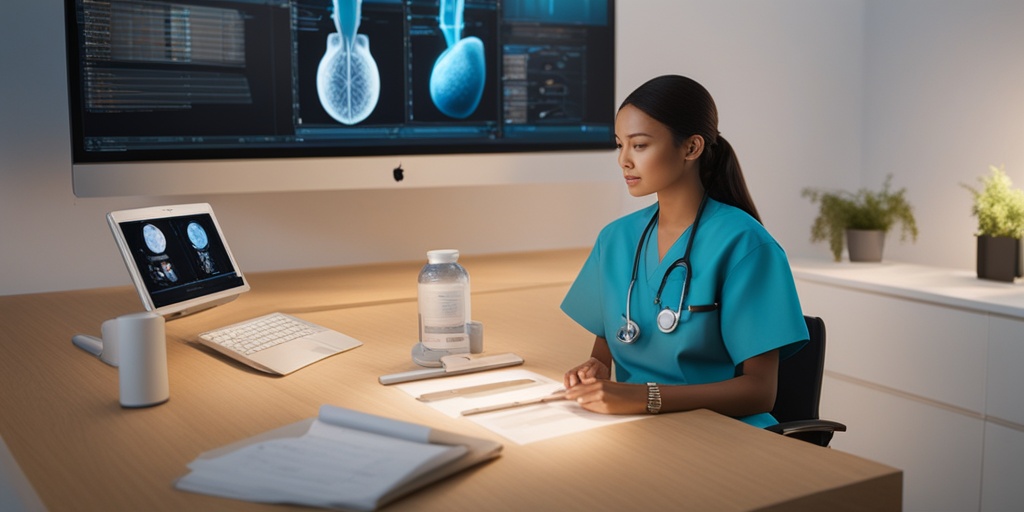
[{"x": 142, "y": 359}]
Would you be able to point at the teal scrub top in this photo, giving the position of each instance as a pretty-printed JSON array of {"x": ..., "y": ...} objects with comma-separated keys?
[{"x": 735, "y": 263}]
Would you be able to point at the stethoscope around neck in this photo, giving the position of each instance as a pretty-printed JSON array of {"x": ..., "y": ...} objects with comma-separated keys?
[{"x": 667, "y": 319}]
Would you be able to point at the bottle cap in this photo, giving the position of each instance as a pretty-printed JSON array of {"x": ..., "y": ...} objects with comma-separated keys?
[{"x": 443, "y": 256}]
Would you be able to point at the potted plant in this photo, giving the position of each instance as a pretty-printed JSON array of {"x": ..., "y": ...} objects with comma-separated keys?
[
  {"x": 861, "y": 220},
  {"x": 1000, "y": 211}
]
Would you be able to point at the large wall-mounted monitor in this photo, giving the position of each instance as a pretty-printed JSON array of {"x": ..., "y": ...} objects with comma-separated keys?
[{"x": 190, "y": 96}]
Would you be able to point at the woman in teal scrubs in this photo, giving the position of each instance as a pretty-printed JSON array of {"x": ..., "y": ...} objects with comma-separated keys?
[{"x": 703, "y": 241}]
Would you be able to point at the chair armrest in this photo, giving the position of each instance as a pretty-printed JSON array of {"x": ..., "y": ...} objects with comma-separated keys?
[{"x": 801, "y": 426}]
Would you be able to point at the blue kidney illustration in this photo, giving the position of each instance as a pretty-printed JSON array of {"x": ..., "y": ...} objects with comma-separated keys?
[{"x": 457, "y": 80}]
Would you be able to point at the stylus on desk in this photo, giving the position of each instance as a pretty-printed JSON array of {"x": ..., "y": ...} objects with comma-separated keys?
[
  {"x": 90, "y": 344},
  {"x": 471, "y": 390},
  {"x": 557, "y": 395},
  {"x": 456, "y": 364}
]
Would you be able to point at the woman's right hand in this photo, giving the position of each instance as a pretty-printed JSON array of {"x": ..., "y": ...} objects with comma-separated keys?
[{"x": 591, "y": 369}]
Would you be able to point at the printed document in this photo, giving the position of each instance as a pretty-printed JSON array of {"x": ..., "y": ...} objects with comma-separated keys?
[
  {"x": 522, "y": 425},
  {"x": 345, "y": 459}
]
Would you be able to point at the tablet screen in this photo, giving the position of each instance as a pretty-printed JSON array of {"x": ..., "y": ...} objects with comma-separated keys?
[{"x": 179, "y": 257}]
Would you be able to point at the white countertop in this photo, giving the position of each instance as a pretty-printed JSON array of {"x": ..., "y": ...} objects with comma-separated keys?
[{"x": 944, "y": 286}]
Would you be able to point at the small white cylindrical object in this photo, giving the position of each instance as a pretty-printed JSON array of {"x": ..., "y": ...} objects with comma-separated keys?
[
  {"x": 142, "y": 354},
  {"x": 476, "y": 337}
]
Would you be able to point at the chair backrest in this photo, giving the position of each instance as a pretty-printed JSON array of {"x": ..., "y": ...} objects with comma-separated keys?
[{"x": 800, "y": 377}]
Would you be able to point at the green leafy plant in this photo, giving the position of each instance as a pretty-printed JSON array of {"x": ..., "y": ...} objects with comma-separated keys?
[
  {"x": 866, "y": 209},
  {"x": 998, "y": 206}
]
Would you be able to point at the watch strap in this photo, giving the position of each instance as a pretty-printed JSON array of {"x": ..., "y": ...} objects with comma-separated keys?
[{"x": 653, "y": 398}]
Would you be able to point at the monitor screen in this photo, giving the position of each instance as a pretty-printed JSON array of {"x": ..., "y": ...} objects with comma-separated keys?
[{"x": 155, "y": 80}]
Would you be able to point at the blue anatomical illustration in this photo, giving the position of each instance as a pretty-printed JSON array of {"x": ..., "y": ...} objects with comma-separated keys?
[
  {"x": 347, "y": 79},
  {"x": 457, "y": 80}
]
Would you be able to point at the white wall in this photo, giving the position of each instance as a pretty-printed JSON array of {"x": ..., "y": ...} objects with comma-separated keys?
[
  {"x": 787, "y": 76},
  {"x": 944, "y": 99}
]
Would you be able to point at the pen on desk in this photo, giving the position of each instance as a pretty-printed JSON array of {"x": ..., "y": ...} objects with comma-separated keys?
[
  {"x": 557, "y": 395},
  {"x": 469, "y": 390}
]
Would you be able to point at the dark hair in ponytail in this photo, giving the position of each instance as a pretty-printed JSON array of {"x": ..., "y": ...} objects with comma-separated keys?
[{"x": 686, "y": 108}]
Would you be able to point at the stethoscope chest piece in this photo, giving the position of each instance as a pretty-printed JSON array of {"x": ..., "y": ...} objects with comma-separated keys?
[
  {"x": 668, "y": 319},
  {"x": 628, "y": 333}
]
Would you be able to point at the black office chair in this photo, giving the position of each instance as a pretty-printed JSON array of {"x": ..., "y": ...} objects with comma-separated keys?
[{"x": 796, "y": 403}]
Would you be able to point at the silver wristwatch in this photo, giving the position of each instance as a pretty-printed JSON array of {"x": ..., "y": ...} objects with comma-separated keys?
[{"x": 653, "y": 398}]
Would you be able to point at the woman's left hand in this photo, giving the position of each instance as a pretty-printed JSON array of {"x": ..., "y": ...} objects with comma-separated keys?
[{"x": 609, "y": 397}]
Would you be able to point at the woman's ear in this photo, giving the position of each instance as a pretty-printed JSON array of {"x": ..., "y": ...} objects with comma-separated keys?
[{"x": 693, "y": 147}]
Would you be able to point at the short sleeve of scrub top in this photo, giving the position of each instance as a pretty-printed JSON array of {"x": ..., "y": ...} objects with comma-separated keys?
[{"x": 736, "y": 265}]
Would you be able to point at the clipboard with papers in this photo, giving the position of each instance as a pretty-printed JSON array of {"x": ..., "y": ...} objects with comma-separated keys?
[{"x": 342, "y": 459}]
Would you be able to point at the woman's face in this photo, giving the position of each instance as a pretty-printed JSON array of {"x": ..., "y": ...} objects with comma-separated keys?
[{"x": 650, "y": 160}]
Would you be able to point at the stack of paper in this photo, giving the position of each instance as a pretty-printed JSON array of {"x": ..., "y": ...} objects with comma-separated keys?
[{"x": 342, "y": 459}]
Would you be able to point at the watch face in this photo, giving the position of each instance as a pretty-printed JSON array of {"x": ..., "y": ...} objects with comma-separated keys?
[
  {"x": 197, "y": 235},
  {"x": 154, "y": 238}
]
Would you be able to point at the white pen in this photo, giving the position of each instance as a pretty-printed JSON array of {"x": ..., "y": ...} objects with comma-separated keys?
[
  {"x": 470, "y": 390},
  {"x": 557, "y": 395}
]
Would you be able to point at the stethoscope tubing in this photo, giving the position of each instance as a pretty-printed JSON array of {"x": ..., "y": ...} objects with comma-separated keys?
[{"x": 667, "y": 319}]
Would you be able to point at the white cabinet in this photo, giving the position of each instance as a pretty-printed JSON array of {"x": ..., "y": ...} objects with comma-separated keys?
[
  {"x": 924, "y": 366},
  {"x": 939, "y": 451},
  {"x": 1005, "y": 371},
  {"x": 1003, "y": 470}
]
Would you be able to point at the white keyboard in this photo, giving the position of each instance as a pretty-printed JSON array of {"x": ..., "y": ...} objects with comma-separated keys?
[{"x": 261, "y": 333}]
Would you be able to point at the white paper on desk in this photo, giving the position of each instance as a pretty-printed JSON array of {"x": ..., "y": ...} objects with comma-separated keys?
[
  {"x": 522, "y": 425},
  {"x": 345, "y": 460}
]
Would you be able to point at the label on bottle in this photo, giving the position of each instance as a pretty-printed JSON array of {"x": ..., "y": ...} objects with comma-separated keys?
[{"x": 443, "y": 316}]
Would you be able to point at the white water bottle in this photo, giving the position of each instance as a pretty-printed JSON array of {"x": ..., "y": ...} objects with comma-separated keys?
[{"x": 444, "y": 310}]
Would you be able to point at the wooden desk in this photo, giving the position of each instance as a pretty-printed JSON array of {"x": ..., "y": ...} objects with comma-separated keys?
[{"x": 81, "y": 451}]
